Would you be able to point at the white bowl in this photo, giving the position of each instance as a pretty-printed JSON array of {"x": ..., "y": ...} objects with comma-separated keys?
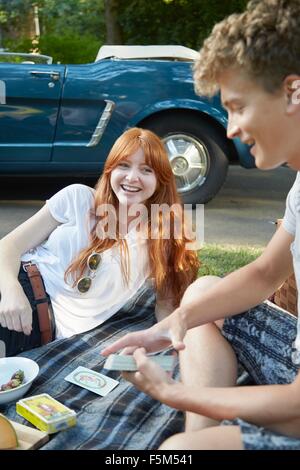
[{"x": 10, "y": 365}]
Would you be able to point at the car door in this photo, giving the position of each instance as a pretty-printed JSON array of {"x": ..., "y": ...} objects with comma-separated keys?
[
  {"x": 87, "y": 124},
  {"x": 30, "y": 97}
]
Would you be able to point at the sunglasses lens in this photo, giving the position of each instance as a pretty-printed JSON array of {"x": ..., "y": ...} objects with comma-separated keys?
[
  {"x": 94, "y": 261},
  {"x": 84, "y": 284}
]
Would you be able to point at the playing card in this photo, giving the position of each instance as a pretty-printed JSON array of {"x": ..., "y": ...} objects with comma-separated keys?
[
  {"x": 92, "y": 380},
  {"x": 127, "y": 363}
]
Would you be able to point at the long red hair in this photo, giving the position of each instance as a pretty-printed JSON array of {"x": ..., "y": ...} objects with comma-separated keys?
[{"x": 172, "y": 266}]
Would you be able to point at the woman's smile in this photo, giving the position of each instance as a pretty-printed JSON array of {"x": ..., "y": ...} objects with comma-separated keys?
[{"x": 133, "y": 181}]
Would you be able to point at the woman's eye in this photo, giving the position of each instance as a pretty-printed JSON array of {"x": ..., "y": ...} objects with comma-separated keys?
[
  {"x": 123, "y": 165},
  {"x": 147, "y": 169}
]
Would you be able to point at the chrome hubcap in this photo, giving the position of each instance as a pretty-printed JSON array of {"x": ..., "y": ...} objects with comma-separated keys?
[{"x": 189, "y": 160}]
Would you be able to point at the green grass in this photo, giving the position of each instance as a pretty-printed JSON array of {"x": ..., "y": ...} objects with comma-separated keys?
[{"x": 219, "y": 260}]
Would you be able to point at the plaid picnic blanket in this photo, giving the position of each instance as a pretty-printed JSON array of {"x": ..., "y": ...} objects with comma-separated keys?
[{"x": 125, "y": 418}]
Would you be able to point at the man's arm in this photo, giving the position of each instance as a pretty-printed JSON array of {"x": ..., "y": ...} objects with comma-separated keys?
[
  {"x": 262, "y": 404},
  {"x": 274, "y": 406},
  {"x": 236, "y": 293},
  {"x": 246, "y": 287}
]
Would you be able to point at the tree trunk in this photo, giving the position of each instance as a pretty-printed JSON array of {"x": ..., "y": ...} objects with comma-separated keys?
[{"x": 113, "y": 28}]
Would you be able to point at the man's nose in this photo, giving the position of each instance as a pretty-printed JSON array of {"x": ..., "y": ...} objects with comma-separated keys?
[{"x": 233, "y": 129}]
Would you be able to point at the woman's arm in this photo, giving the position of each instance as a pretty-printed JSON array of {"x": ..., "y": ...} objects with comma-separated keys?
[{"x": 15, "y": 310}]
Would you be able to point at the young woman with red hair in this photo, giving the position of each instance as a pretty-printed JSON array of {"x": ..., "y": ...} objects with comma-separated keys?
[{"x": 92, "y": 255}]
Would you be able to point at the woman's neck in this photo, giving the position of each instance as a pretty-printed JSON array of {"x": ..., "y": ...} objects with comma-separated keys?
[{"x": 129, "y": 221}]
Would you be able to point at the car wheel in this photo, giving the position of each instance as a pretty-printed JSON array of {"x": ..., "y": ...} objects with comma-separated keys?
[{"x": 195, "y": 149}]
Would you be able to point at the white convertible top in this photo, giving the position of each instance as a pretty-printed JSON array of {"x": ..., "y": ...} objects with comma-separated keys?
[{"x": 147, "y": 52}]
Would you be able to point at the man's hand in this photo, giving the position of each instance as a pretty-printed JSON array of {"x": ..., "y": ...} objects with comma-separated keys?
[
  {"x": 166, "y": 333},
  {"x": 150, "y": 377}
]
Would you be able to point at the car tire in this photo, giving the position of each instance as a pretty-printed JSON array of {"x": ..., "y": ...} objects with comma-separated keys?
[{"x": 196, "y": 151}]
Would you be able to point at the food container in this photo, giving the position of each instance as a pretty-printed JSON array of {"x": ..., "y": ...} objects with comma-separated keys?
[
  {"x": 46, "y": 413},
  {"x": 10, "y": 365}
]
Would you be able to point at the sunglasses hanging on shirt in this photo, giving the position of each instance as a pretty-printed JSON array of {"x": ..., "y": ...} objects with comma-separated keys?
[{"x": 84, "y": 283}]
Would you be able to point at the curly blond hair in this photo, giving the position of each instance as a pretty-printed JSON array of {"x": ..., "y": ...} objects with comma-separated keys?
[{"x": 263, "y": 42}]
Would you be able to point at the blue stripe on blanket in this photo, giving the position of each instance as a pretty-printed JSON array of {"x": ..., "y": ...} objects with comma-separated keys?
[{"x": 125, "y": 418}]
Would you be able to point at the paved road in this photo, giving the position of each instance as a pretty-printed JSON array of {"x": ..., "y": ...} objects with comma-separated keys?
[
  {"x": 240, "y": 214},
  {"x": 249, "y": 201}
]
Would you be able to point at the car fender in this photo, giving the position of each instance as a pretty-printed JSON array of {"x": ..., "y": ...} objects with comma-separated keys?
[
  {"x": 242, "y": 150},
  {"x": 180, "y": 104}
]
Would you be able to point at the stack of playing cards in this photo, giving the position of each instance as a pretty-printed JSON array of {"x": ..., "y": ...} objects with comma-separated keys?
[{"x": 127, "y": 363}]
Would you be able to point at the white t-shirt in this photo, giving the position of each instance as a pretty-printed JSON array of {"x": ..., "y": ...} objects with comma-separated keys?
[
  {"x": 291, "y": 223},
  {"x": 75, "y": 312}
]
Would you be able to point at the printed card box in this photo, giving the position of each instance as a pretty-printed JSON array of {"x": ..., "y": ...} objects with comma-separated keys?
[{"x": 46, "y": 413}]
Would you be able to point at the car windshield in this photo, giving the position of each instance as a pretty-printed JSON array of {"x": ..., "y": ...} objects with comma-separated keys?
[{"x": 22, "y": 58}]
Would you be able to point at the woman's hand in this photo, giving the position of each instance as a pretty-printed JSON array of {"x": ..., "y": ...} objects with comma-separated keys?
[
  {"x": 150, "y": 377},
  {"x": 15, "y": 310},
  {"x": 166, "y": 333}
]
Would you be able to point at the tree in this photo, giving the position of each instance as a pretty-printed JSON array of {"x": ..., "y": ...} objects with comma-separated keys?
[
  {"x": 113, "y": 27},
  {"x": 73, "y": 30},
  {"x": 185, "y": 22},
  {"x": 16, "y": 18}
]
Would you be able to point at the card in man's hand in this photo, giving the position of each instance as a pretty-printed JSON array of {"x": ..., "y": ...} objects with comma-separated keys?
[{"x": 125, "y": 362}]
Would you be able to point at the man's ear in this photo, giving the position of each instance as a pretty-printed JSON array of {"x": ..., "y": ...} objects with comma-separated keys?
[{"x": 291, "y": 88}]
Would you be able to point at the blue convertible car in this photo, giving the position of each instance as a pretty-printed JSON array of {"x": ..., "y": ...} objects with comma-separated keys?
[{"x": 63, "y": 119}]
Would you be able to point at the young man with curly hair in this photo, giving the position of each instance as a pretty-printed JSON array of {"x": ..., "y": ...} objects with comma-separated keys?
[{"x": 253, "y": 59}]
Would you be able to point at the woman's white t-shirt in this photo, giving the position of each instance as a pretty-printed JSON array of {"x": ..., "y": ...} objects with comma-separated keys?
[{"x": 75, "y": 312}]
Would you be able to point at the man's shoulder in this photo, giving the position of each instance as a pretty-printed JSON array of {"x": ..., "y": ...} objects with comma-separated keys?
[
  {"x": 297, "y": 179},
  {"x": 295, "y": 189}
]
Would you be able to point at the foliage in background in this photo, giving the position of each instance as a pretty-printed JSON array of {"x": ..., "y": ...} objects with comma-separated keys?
[
  {"x": 219, "y": 260},
  {"x": 73, "y": 30},
  {"x": 14, "y": 19},
  {"x": 78, "y": 16},
  {"x": 69, "y": 48},
  {"x": 185, "y": 22}
]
